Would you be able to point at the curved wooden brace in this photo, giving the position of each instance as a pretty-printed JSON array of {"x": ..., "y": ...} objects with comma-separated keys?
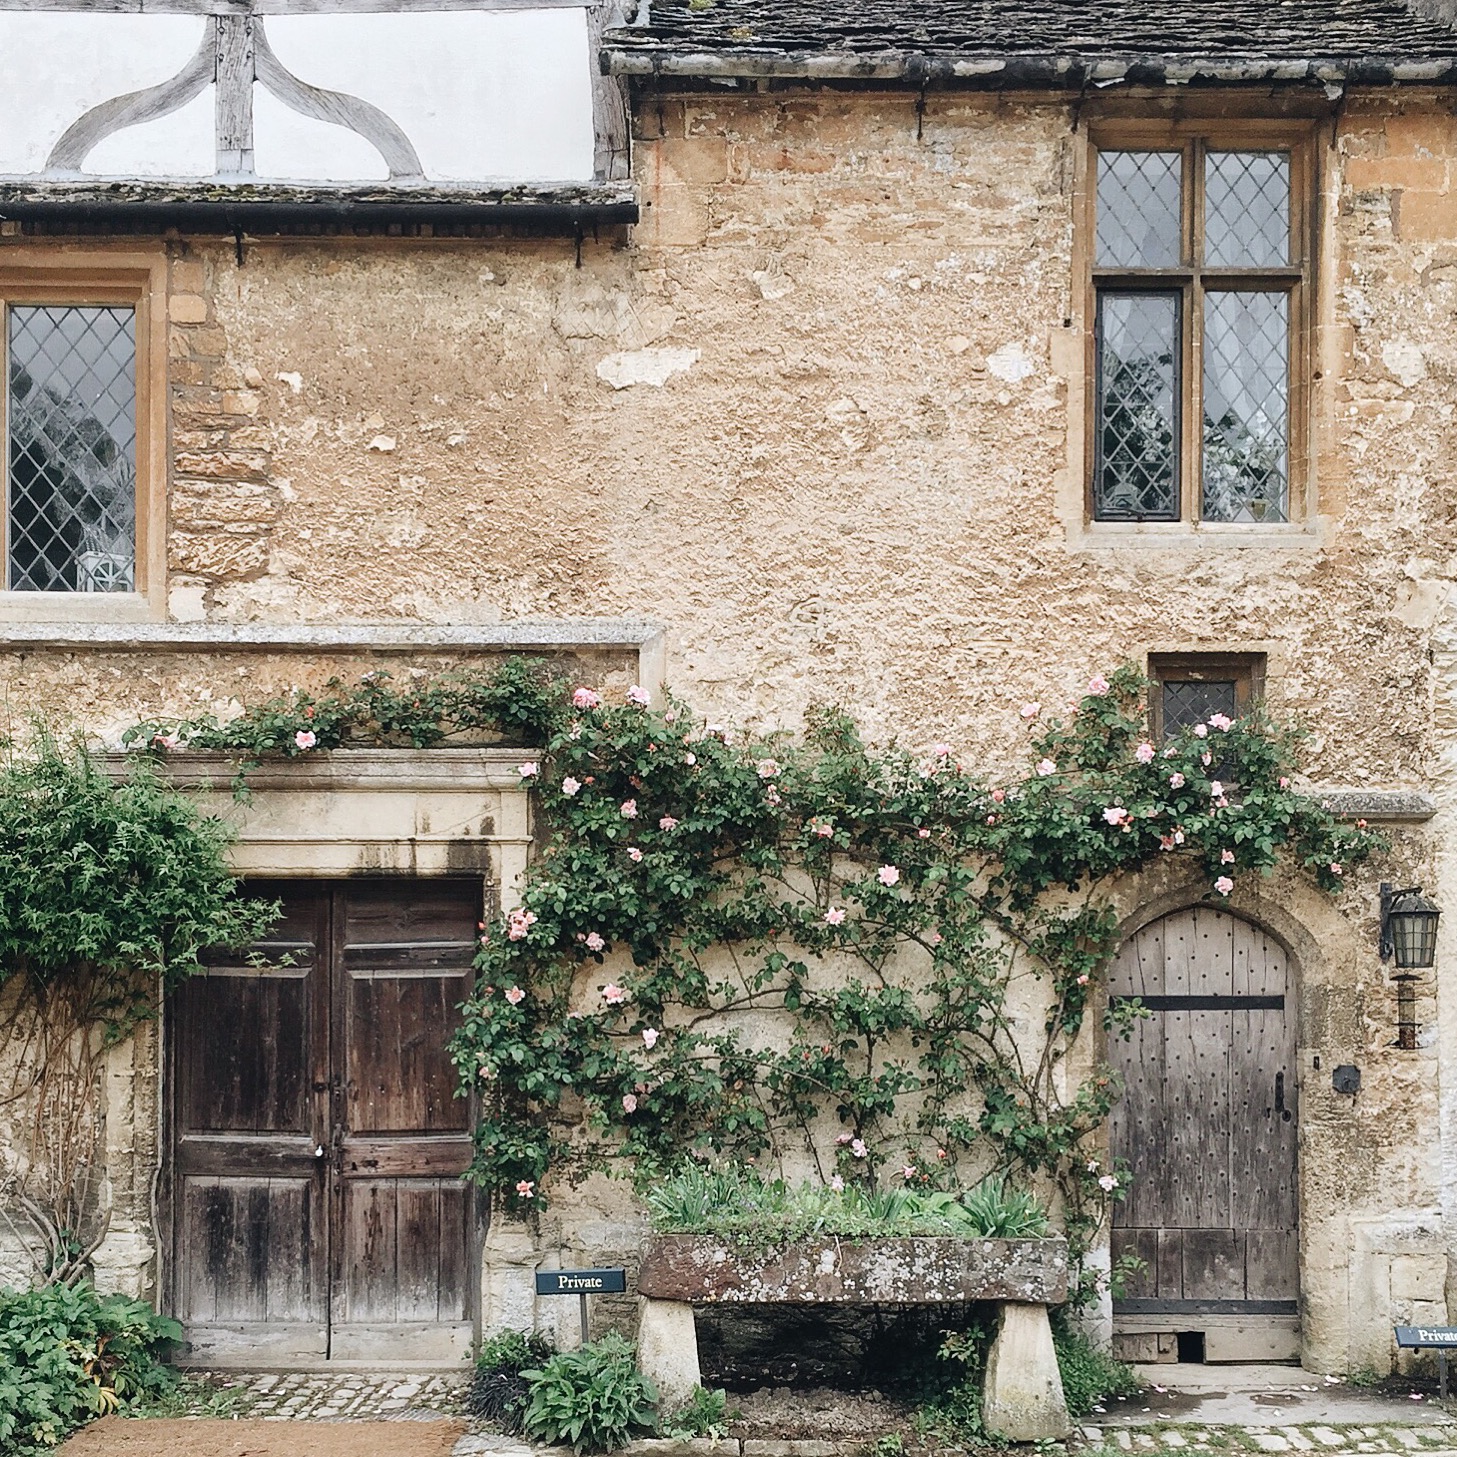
[
  {"x": 136, "y": 106},
  {"x": 334, "y": 106}
]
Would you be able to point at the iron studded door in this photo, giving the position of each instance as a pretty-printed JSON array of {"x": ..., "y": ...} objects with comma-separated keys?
[
  {"x": 1207, "y": 1123},
  {"x": 318, "y": 1209}
]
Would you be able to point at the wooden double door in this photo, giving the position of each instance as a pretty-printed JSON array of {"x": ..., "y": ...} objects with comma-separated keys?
[
  {"x": 318, "y": 1210},
  {"x": 1208, "y": 1124}
]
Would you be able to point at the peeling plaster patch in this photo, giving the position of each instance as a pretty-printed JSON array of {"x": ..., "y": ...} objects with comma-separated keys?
[
  {"x": 1404, "y": 359},
  {"x": 382, "y": 443},
  {"x": 645, "y": 366},
  {"x": 1011, "y": 363},
  {"x": 293, "y": 379}
]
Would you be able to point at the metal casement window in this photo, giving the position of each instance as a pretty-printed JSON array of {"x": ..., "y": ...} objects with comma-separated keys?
[{"x": 1199, "y": 284}]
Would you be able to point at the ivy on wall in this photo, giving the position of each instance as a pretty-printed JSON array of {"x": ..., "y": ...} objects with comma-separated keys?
[{"x": 767, "y": 948}]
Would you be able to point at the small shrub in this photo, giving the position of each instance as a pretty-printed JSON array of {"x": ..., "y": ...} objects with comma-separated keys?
[
  {"x": 68, "y": 1355},
  {"x": 498, "y": 1391},
  {"x": 704, "y": 1414},
  {"x": 1089, "y": 1375},
  {"x": 890, "y": 1445},
  {"x": 593, "y": 1398}
]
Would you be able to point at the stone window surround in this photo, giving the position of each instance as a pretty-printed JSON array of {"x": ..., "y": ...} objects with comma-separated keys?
[
  {"x": 1161, "y": 122},
  {"x": 62, "y": 275}
]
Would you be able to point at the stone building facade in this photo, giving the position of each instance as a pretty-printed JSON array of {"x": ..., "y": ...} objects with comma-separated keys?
[{"x": 805, "y": 408}]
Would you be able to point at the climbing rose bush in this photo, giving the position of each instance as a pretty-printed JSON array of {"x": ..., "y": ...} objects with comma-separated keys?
[{"x": 881, "y": 905}]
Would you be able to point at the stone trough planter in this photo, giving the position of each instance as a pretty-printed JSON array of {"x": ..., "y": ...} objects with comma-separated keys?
[{"x": 1022, "y": 1397}]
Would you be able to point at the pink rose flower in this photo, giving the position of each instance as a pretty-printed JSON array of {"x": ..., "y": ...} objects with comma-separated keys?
[
  {"x": 526, "y": 1189},
  {"x": 518, "y": 923},
  {"x": 843, "y": 1138},
  {"x": 650, "y": 1037},
  {"x": 888, "y": 875},
  {"x": 1098, "y": 685},
  {"x": 1166, "y": 842},
  {"x": 637, "y": 695},
  {"x": 667, "y": 823},
  {"x": 1284, "y": 782},
  {"x": 1215, "y": 789},
  {"x": 1031, "y": 710},
  {"x": 1220, "y": 721},
  {"x": 585, "y": 698},
  {"x": 935, "y": 938},
  {"x": 528, "y": 770},
  {"x": 613, "y": 994},
  {"x": 837, "y": 1183},
  {"x": 515, "y": 996},
  {"x": 834, "y": 916},
  {"x": 1178, "y": 837},
  {"x": 629, "y": 1102},
  {"x": 1144, "y": 753},
  {"x": 304, "y": 739},
  {"x": 594, "y": 941},
  {"x": 1335, "y": 868},
  {"x": 1206, "y": 759},
  {"x": 824, "y": 829},
  {"x": 1115, "y": 814},
  {"x": 634, "y": 854},
  {"x": 857, "y": 1147},
  {"x": 1176, "y": 781},
  {"x": 1226, "y": 857},
  {"x": 1200, "y": 731},
  {"x": 1224, "y": 885},
  {"x": 629, "y": 809},
  {"x": 1108, "y": 1183},
  {"x": 570, "y": 786},
  {"x": 1046, "y": 767},
  {"x": 909, "y": 1171},
  {"x": 165, "y": 741},
  {"x": 1083, "y": 979},
  {"x": 923, "y": 833},
  {"x": 941, "y": 751},
  {"x": 999, "y": 796},
  {"x": 767, "y": 768}
]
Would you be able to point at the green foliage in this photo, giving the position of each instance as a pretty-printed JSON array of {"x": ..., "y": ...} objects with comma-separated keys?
[
  {"x": 123, "y": 881},
  {"x": 704, "y": 1414},
  {"x": 518, "y": 702},
  {"x": 593, "y": 1398},
  {"x": 890, "y": 1445},
  {"x": 1089, "y": 1375},
  {"x": 513, "y": 1351},
  {"x": 68, "y": 1355},
  {"x": 737, "y": 1203},
  {"x": 694, "y": 888},
  {"x": 498, "y": 1391}
]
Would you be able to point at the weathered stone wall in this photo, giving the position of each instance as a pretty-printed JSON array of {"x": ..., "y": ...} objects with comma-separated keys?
[{"x": 821, "y": 417}]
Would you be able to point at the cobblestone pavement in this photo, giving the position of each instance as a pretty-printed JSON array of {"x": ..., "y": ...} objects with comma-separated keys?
[
  {"x": 323, "y": 1396},
  {"x": 1333, "y": 1440}
]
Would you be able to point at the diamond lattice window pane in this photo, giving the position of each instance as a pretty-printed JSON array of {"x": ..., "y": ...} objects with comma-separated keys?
[
  {"x": 1137, "y": 478},
  {"x": 1246, "y": 407},
  {"x": 1247, "y": 209},
  {"x": 71, "y": 415},
  {"x": 1185, "y": 703},
  {"x": 1138, "y": 209}
]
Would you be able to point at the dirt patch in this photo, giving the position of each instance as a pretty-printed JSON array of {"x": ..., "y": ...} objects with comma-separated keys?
[
  {"x": 124, "y": 1437},
  {"x": 815, "y": 1412}
]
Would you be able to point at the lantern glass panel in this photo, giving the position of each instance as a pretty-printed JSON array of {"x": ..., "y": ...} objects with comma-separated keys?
[{"x": 1414, "y": 938}]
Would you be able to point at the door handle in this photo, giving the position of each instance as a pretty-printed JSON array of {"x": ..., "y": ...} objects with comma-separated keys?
[
  {"x": 319, "y": 1151},
  {"x": 1280, "y": 1107}
]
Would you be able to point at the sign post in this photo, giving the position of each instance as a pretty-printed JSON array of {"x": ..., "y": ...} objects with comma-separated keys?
[
  {"x": 1438, "y": 1338},
  {"x": 581, "y": 1283}
]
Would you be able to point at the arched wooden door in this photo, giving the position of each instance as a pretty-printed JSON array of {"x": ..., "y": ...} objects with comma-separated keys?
[{"x": 1207, "y": 1123}]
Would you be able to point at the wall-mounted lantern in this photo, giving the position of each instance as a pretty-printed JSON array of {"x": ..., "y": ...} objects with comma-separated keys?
[{"x": 1408, "y": 937}]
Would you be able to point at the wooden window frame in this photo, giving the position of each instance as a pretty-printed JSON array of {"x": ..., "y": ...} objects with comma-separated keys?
[
  {"x": 1246, "y": 670},
  {"x": 1194, "y": 137},
  {"x": 95, "y": 278}
]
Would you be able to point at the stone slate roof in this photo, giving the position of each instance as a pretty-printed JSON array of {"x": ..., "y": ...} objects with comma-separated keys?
[{"x": 1062, "y": 41}]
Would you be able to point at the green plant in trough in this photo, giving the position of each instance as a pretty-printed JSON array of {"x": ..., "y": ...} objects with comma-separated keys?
[
  {"x": 735, "y": 1202},
  {"x": 593, "y": 1398},
  {"x": 68, "y": 1355}
]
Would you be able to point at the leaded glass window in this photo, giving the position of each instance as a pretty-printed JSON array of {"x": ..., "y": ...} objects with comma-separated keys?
[
  {"x": 71, "y": 448},
  {"x": 1198, "y": 275}
]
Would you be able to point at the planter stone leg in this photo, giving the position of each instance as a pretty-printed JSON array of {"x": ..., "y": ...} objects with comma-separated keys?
[
  {"x": 1022, "y": 1396},
  {"x": 667, "y": 1349}
]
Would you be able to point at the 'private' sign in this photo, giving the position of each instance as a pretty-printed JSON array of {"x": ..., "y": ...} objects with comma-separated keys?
[
  {"x": 587, "y": 1282},
  {"x": 1426, "y": 1336}
]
